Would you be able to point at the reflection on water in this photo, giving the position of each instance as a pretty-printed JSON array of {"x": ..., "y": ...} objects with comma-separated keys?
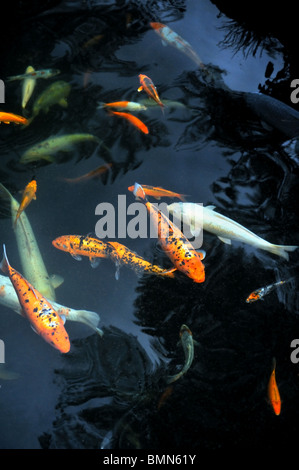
[{"x": 223, "y": 147}]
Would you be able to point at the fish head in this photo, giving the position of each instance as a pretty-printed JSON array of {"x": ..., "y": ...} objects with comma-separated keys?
[{"x": 63, "y": 243}]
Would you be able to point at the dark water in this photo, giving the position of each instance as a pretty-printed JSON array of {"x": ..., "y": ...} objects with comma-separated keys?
[{"x": 106, "y": 391}]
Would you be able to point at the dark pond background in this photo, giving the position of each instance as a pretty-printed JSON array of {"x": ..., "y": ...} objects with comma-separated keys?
[{"x": 106, "y": 392}]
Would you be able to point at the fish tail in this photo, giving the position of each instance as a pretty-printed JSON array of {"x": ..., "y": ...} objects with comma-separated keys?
[
  {"x": 173, "y": 378},
  {"x": 4, "y": 263},
  {"x": 282, "y": 250},
  {"x": 91, "y": 319},
  {"x": 101, "y": 105},
  {"x": 139, "y": 192}
]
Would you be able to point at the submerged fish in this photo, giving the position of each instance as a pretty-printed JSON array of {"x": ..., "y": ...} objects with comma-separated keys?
[
  {"x": 260, "y": 293},
  {"x": 173, "y": 39},
  {"x": 94, "y": 174},
  {"x": 158, "y": 192},
  {"x": 33, "y": 266},
  {"x": 46, "y": 149},
  {"x": 56, "y": 93},
  {"x": 46, "y": 73},
  {"x": 7, "y": 118},
  {"x": 132, "y": 119},
  {"x": 124, "y": 105},
  {"x": 122, "y": 255},
  {"x": 273, "y": 392},
  {"x": 148, "y": 86},
  {"x": 28, "y": 87},
  {"x": 39, "y": 312},
  {"x": 226, "y": 229},
  {"x": 174, "y": 243},
  {"x": 29, "y": 193},
  {"x": 9, "y": 298},
  {"x": 187, "y": 342},
  {"x": 81, "y": 245}
]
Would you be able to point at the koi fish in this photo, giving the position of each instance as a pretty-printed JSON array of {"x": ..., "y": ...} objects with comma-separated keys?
[
  {"x": 96, "y": 173},
  {"x": 176, "y": 246},
  {"x": 187, "y": 342},
  {"x": 258, "y": 294},
  {"x": 132, "y": 119},
  {"x": 173, "y": 39},
  {"x": 80, "y": 245},
  {"x": 158, "y": 192},
  {"x": 122, "y": 255},
  {"x": 46, "y": 73},
  {"x": 33, "y": 266},
  {"x": 56, "y": 93},
  {"x": 7, "y": 118},
  {"x": 28, "y": 194},
  {"x": 127, "y": 105},
  {"x": 47, "y": 148},
  {"x": 273, "y": 392},
  {"x": 148, "y": 86},
  {"x": 44, "y": 320},
  {"x": 226, "y": 229},
  {"x": 28, "y": 87},
  {"x": 9, "y": 299}
]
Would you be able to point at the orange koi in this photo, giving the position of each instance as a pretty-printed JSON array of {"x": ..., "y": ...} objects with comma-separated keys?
[
  {"x": 176, "y": 246},
  {"x": 128, "y": 105},
  {"x": 158, "y": 192},
  {"x": 273, "y": 392},
  {"x": 148, "y": 86},
  {"x": 94, "y": 174},
  {"x": 28, "y": 194},
  {"x": 43, "y": 318},
  {"x": 133, "y": 120},
  {"x": 123, "y": 255},
  {"x": 8, "y": 118},
  {"x": 80, "y": 245}
]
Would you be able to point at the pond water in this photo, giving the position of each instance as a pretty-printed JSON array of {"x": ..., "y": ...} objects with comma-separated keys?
[{"x": 111, "y": 392}]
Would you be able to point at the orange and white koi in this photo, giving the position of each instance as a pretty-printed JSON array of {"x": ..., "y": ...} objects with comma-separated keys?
[
  {"x": 173, "y": 39},
  {"x": 125, "y": 105},
  {"x": 132, "y": 119},
  {"x": 176, "y": 246},
  {"x": 122, "y": 255},
  {"x": 29, "y": 193},
  {"x": 157, "y": 192},
  {"x": 8, "y": 118},
  {"x": 258, "y": 294},
  {"x": 148, "y": 86},
  {"x": 94, "y": 174},
  {"x": 273, "y": 392},
  {"x": 80, "y": 245},
  {"x": 39, "y": 312}
]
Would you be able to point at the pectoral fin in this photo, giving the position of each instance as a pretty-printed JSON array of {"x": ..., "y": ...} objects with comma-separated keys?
[
  {"x": 94, "y": 262},
  {"x": 211, "y": 207},
  {"x": 76, "y": 257},
  {"x": 195, "y": 229},
  {"x": 56, "y": 280},
  {"x": 225, "y": 240}
]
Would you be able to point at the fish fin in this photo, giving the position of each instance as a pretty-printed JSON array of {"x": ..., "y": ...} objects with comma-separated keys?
[
  {"x": 139, "y": 192},
  {"x": 4, "y": 263},
  {"x": 63, "y": 318},
  {"x": 225, "y": 240},
  {"x": 34, "y": 329},
  {"x": 56, "y": 280},
  {"x": 202, "y": 253},
  {"x": 195, "y": 229},
  {"x": 164, "y": 43},
  {"x": 210, "y": 207},
  {"x": 76, "y": 257},
  {"x": 282, "y": 250},
  {"x": 63, "y": 102},
  {"x": 196, "y": 343},
  {"x": 117, "y": 271},
  {"x": 94, "y": 262},
  {"x": 89, "y": 318}
]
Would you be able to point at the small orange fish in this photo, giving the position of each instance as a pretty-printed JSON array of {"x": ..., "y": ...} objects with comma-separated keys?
[
  {"x": 127, "y": 105},
  {"x": 94, "y": 174},
  {"x": 123, "y": 255},
  {"x": 39, "y": 312},
  {"x": 7, "y": 118},
  {"x": 158, "y": 192},
  {"x": 133, "y": 120},
  {"x": 273, "y": 392},
  {"x": 80, "y": 245},
  {"x": 28, "y": 194},
  {"x": 148, "y": 86},
  {"x": 176, "y": 246}
]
